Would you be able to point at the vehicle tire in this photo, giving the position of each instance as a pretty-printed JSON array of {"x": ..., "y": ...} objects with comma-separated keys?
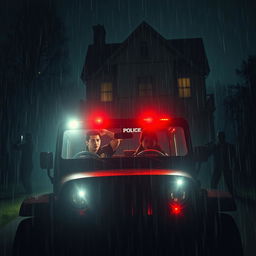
[
  {"x": 229, "y": 238},
  {"x": 225, "y": 237},
  {"x": 30, "y": 239}
]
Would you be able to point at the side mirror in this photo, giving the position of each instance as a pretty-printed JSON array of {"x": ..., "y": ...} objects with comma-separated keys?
[
  {"x": 46, "y": 160},
  {"x": 201, "y": 153}
]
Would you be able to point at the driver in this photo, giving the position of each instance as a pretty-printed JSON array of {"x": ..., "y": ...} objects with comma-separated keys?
[
  {"x": 93, "y": 143},
  {"x": 148, "y": 140}
]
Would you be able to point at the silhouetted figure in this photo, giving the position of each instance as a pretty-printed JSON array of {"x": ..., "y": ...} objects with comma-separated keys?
[
  {"x": 26, "y": 162},
  {"x": 224, "y": 159}
]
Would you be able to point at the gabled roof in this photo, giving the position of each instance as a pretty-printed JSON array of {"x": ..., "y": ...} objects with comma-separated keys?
[
  {"x": 191, "y": 50},
  {"x": 96, "y": 57}
]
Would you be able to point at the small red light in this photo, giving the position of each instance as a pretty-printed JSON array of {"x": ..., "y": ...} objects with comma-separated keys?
[
  {"x": 81, "y": 212},
  {"x": 175, "y": 209},
  {"x": 164, "y": 119},
  {"x": 149, "y": 211}
]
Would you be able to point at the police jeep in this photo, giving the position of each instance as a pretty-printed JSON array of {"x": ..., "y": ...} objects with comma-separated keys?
[{"x": 144, "y": 204}]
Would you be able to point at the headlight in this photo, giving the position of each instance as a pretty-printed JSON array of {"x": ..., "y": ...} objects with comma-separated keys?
[
  {"x": 178, "y": 196},
  {"x": 79, "y": 198},
  {"x": 178, "y": 189},
  {"x": 179, "y": 182}
]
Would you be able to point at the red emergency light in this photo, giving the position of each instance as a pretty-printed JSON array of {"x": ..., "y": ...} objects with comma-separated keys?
[
  {"x": 149, "y": 210},
  {"x": 154, "y": 122},
  {"x": 175, "y": 208},
  {"x": 148, "y": 120},
  {"x": 98, "y": 120}
]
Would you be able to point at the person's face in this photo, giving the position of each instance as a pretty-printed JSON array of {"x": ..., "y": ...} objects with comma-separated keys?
[
  {"x": 148, "y": 142},
  {"x": 93, "y": 143}
]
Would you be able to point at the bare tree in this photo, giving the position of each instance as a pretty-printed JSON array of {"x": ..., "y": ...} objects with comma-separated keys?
[
  {"x": 240, "y": 108},
  {"x": 33, "y": 67}
]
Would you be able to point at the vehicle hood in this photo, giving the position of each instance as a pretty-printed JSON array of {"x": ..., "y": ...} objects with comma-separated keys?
[{"x": 124, "y": 172}]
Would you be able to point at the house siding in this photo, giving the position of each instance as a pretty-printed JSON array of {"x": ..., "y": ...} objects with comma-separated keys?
[{"x": 163, "y": 65}]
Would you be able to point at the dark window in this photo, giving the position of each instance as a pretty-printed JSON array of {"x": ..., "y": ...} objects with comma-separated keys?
[
  {"x": 144, "y": 49},
  {"x": 145, "y": 86}
]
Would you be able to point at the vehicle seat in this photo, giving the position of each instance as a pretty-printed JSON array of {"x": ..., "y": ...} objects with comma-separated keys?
[{"x": 128, "y": 153}]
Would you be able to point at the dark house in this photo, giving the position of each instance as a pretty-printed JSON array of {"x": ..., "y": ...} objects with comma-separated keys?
[{"x": 148, "y": 72}]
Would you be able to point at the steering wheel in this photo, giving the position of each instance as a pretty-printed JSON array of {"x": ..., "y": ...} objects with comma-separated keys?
[
  {"x": 150, "y": 152},
  {"x": 86, "y": 154}
]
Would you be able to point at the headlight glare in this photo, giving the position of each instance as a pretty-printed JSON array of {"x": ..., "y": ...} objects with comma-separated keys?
[
  {"x": 179, "y": 182},
  {"x": 79, "y": 198},
  {"x": 81, "y": 193}
]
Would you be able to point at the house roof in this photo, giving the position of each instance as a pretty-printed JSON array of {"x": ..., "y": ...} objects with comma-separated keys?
[
  {"x": 96, "y": 57},
  {"x": 191, "y": 50}
]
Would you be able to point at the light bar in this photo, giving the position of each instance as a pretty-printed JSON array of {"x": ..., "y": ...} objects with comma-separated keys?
[
  {"x": 98, "y": 120},
  {"x": 148, "y": 119},
  {"x": 73, "y": 124}
]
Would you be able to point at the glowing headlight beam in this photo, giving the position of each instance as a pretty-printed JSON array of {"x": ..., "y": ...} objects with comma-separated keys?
[{"x": 79, "y": 198}]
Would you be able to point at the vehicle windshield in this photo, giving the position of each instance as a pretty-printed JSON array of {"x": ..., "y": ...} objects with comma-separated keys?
[{"x": 123, "y": 143}]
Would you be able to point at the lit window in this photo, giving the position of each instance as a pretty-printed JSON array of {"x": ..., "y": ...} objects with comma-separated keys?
[
  {"x": 145, "y": 86},
  {"x": 106, "y": 92},
  {"x": 184, "y": 87}
]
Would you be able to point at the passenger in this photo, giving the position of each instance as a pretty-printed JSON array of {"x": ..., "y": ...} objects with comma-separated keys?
[
  {"x": 93, "y": 144},
  {"x": 148, "y": 140}
]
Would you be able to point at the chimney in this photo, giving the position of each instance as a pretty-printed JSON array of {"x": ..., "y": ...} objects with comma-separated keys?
[{"x": 99, "y": 35}]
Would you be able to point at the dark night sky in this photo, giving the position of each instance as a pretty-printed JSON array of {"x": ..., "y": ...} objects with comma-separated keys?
[{"x": 228, "y": 28}]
